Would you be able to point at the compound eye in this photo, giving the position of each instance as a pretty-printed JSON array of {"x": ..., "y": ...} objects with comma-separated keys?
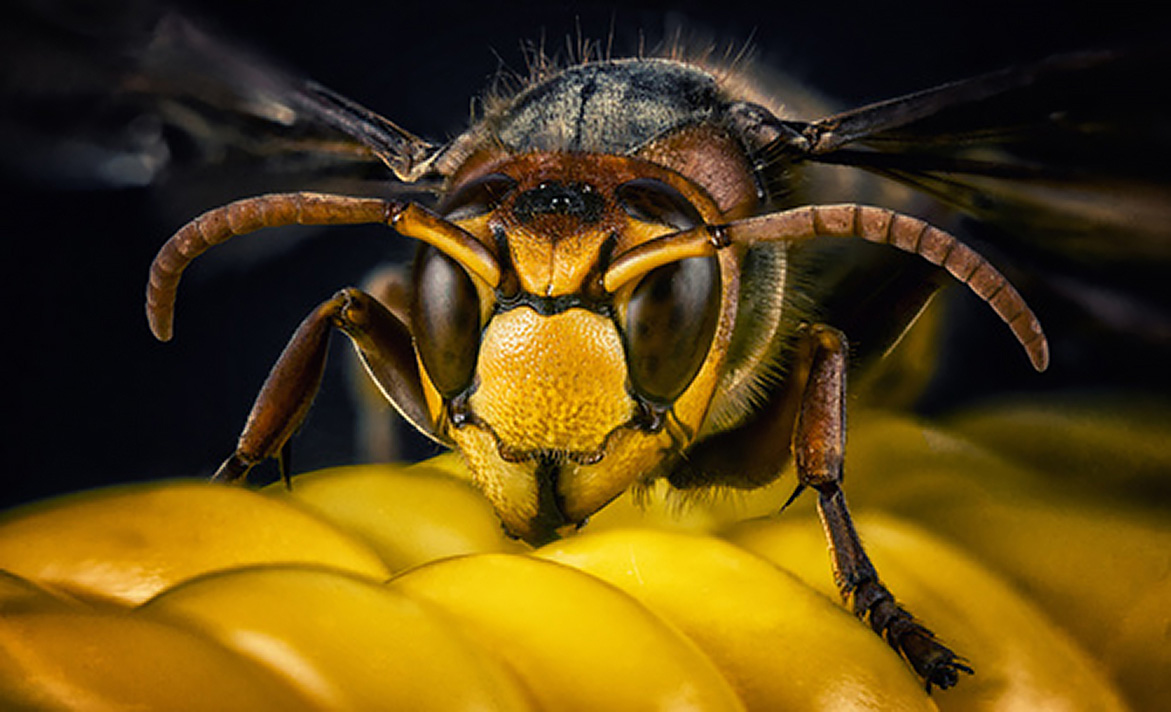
[
  {"x": 477, "y": 197},
  {"x": 445, "y": 321},
  {"x": 670, "y": 320},
  {"x": 651, "y": 200}
]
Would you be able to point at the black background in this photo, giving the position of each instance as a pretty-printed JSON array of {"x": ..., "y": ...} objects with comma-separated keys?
[{"x": 90, "y": 397}]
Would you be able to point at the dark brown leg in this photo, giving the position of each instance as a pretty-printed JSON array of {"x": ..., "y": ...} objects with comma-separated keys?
[
  {"x": 379, "y": 427},
  {"x": 818, "y": 448},
  {"x": 384, "y": 344}
]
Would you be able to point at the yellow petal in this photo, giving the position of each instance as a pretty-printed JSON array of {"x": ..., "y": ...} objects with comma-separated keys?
[
  {"x": 781, "y": 644},
  {"x": 1022, "y": 661},
  {"x": 576, "y": 642},
  {"x": 344, "y": 642},
  {"x": 128, "y": 543},
  {"x": 409, "y": 515},
  {"x": 99, "y": 660}
]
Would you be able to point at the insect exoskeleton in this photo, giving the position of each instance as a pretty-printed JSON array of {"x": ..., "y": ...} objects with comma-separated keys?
[
  {"x": 577, "y": 391},
  {"x": 578, "y": 388},
  {"x": 602, "y": 298}
]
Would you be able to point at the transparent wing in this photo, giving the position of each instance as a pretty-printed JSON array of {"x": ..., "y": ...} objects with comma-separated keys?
[
  {"x": 1068, "y": 154},
  {"x": 134, "y": 95},
  {"x": 1063, "y": 166}
]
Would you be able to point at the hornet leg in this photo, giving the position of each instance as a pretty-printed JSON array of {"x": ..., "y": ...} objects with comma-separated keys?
[
  {"x": 818, "y": 447},
  {"x": 379, "y": 430},
  {"x": 382, "y": 341}
]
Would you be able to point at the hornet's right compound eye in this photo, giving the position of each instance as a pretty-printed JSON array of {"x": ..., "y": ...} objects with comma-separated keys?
[
  {"x": 670, "y": 321},
  {"x": 445, "y": 321},
  {"x": 477, "y": 197}
]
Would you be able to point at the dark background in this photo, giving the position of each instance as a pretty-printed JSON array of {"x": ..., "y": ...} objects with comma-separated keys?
[{"x": 90, "y": 397}]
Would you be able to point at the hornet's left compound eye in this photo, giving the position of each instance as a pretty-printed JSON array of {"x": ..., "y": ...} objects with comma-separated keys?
[
  {"x": 670, "y": 321},
  {"x": 445, "y": 321},
  {"x": 653, "y": 201}
]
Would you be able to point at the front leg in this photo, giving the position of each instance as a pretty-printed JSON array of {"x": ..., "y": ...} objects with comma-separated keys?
[
  {"x": 819, "y": 439},
  {"x": 378, "y": 427},
  {"x": 382, "y": 341}
]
